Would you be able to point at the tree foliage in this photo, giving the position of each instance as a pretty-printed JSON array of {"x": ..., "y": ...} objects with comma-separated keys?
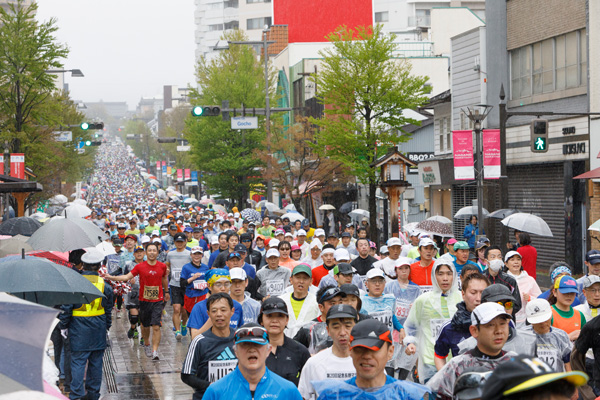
[
  {"x": 364, "y": 90},
  {"x": 228, "y": 158}
]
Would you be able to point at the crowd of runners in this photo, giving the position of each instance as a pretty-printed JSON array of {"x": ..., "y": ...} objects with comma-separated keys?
[{"x": 285, "y": 310}]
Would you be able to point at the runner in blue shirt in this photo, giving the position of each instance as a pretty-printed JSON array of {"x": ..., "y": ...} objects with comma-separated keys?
[{"x": 193, "y": 279}]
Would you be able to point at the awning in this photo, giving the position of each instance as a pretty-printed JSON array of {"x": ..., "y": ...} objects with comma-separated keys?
[{"x": 593, "y": 174}]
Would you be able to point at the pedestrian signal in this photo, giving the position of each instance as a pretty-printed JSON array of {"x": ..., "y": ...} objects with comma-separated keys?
[{"x": 539, "y": 136}]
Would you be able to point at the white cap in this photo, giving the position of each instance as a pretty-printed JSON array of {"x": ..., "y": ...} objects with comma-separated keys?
[
  {"x": 414, "y": 233},
  {"x": 230, "y": 215},
  {"x": 273, "y": 243},
  {"x": 156, "y": 240},
  {"x": 237, "y": 273},
  {"x": 289, "y": 234},
  {"x": 301, "y": 232},
  {"x": 383, "y": 250},
  {"x": 510, "y": 254},
  {"x": 328, "y": 250},
  {"x": 538, "y": 310},
  {"x": 394, "y": 241},
  {"x": 214, "y": 240},
  {"x": 279, "y": 231},
  {"x": 426, "y": 242},
  {"x": 341, "y": 255},
  {"x": 316, "y": 243},
  {"x": 196, "y": 249},
  {"x": 92, "y": 256},
  {"x": 319, "y": 232},
  {"x": 590, "y": 280},
  {"x": 236, "y": 215},
  {"x": 272, "y": 253},
  {"x": 402, "y": 261},
  {"x": 145, "y": 239},
  {"x": 485, "y": 312},
  {"x": 374, "y": 273}
]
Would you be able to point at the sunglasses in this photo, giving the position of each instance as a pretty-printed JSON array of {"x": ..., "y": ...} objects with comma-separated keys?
[
  {"x": 246, "y": 240},
  {"x": 506, "y": 304},
  {"x": 251, "y": 333},
  {"x": 273, "y": 306}
]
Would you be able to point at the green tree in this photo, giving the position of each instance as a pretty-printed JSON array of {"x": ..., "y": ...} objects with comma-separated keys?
[
  {"x": 228, "y": 158},
  {"x": 364, "y": 90},
  {"x": 28, "y": 49}
]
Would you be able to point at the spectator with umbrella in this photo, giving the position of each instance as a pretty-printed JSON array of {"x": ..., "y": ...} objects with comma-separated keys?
[{"x": 472, "y": 231}]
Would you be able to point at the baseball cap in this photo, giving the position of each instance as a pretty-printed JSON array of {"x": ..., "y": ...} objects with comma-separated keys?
[
  {"x": 196, "y": 229},
  {"x": 273, "y": 243},
  {"x": 375, "y": 273},
  {"x": 279, "y": 232},
  {"x": 139, "y": 248},
  {"x": 273, "y": 305},
  {"x": 272, "y": 253},
  {"x": 482, "y": 242},
  {"x": 461, "y": 246},
  {"x": 121, "y": 225},
  {"x": 155, "y": 232},
  {"x": 384, "y": 250},
  {"x": 214, "y": 240},
  {"x": 145, "y": 239},
  {"x": 349, "y": 225},
  {"x": 346, "y": 234},
  {"x": 350, "y": 288},
  {"x": 296, "y": 247},
  {"x": 302, "y": 268},
  {"x": 496, "y": 292},
  {"x": 117, "y": 242},
  {"x": 522, "y": 373},
  {"x": 414, "y": 233},
  {"x": 593, "y": 257},
  {"x": 301, "y": 232},
  {"x": 92, "y": 256},
  {"x": 590, "y": 280},
  {"x": 402, "y": 261},
  {"x": 451, "y": 241},
  {"x": 394, "y": 242},
  {"x": 371, "y": 334},
  {"x": 188, "y": 229},
  {"x": 319, "y": 232},
  {"x": 561, "y": 269},
  {"x": 240, "y": 248},
  {"x": 131, "y": 236},
  {"x": 342, "y": 311},
  {"x": 196, "y": 249},
  {"x": 511, "y": 254},
  {"x": 332, "y": 234},
  {"x": 538, "y": 310},
  {"x": 234, "y": 255},
  {"x": 426, "y": 242},
  {"x": 164, "y": 228},
  {"x": 156, "y": 240},
  {"x": 305, "y": 222},
  {"x": 330, "y": 294},
  {"x": 238, "y": 273},
  {"x": 251, "y": 333},
  {"x": 566, "y": 284},
  {"x": 180, "y": 237},
  {"x": 343, "y": 268},
  {"x": 341, "y": 254},
  {"x": 485, "y": 312}
]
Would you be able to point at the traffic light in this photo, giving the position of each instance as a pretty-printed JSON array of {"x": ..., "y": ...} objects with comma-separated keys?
[
  {"x": 206, "y": 111},
  {"x": 92, "y": 126},
  {"x": 93, "y": 142},
  {"x": 539, "y": 135},
  {"x": 166, "y": 140}
]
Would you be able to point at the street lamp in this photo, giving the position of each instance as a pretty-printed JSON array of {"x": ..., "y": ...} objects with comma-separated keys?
[
  {"x": 477, "y": 114},
  {"x": 75, "y": 73}
]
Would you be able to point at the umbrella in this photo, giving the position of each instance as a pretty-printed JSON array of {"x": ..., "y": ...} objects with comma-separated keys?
[
  {"x": 293, "y": 217},
  {"x": 468, "y": 211},
  {"x": 503, "y": 213},
  {"x": 251, "y": 215},
  {"x": 290, "y": 207},
  {"x": 106, "y": 248},
  {"x": 152, "y": 177},
  {"x": 190, "y": 200},
  {"x": 80, "y": 201},
  {"x": 19, "y": 226},
  {"x": 59, "y": 199},
  {"x": 57, "y": 257},
  {"x": 39, "y": 216},
  {"x": 326, "y": 207},
  {"x": 24, "y": 331},
  {"x": 440, "y": 218},
  {"x": 219, "y": 208},
  {"x": 77, "y": 211},
  {"x": 435, "y": 228},
  {"x": 526, "y": 222},
  {"x": 207, "y": 201},
  {"x": 593, "y": 227},
  {"x": 14, "y": 245},
  {"x": 410, "y": 226},
  {"x": 161, "y": 194},
  {"x": 346, "y": 207},
  {"x": 154, "y": 182},
  {"x": 271, "y": 207},
  {"x": 67, "y": 234},
  {"x": 359, "y": 213},
  {"x": 44, "y": 282}
]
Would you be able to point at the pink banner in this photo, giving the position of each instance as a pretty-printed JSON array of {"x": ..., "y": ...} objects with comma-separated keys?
[
  {"x": 164, "y": 163},
  {"x": 462, "y": 143},
  {"x": 187, "y": 174},
  {"x": 491, "y": 153},
  {"x": 157, "y": 166},
  {"x": 179, "y": 175}
]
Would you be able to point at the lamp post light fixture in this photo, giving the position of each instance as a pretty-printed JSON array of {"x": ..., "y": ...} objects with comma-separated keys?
[
  {"x": 477, "y": 115},
  {"x": 75, "y": 73}
]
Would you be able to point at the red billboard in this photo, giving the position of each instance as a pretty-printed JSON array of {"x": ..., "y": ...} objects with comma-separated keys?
[{"x": 313, "y": 20}]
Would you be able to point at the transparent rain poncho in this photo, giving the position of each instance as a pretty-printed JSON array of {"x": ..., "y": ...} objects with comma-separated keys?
[
  {"x": 340, "y": 390},
  {"x": 520, "y": 341}
]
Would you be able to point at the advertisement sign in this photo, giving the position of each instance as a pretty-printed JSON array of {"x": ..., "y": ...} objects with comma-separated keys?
[
  {"x": 164, "y": 163},
  {"x": 418, "y": 157},
  {"x": 157, "y": 166},
  {"x": 491, "y": 153},
  {"x": 164, "y": 169},
  {"x": 462, "y": 143},
  {"x": 179, "y": 175},
  {"x": 17, "y": 165},
  {"x": 429, "y": 173},
  {"x": 63, "y": 136},
  {"x": 187, "y": 174},
  {"x": 1, "y": 165},
  {"x": 169, "y": 170},
  {"x": 194, "y": 177}
]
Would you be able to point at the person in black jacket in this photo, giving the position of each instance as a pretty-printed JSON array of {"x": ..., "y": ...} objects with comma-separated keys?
[
  {"x": 495, "y": 274},
  {"x": 253, "y": 257}
]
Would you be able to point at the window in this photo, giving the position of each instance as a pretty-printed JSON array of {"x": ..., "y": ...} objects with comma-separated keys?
[
  {"x": 448, "y": 135},
  {"x": 215, "y": 27},
  {"x": 257, "y": 1},
  {"x": 444, "y": 134},
  {"x": 383, "y": 16},
  {"x": 258, "y": 23},
  {"x": 232, "y": 25},
  {"x": 441, "y": 133},
  {"x": 551, "y": 65}
]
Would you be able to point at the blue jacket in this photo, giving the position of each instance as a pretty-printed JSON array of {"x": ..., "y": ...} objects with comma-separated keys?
[
  {"x": 271, "y": 386},
  {"x": 470, "y": 238},
  {"x": 333, "y": 389},
  {"x": 88, "y": 333}
]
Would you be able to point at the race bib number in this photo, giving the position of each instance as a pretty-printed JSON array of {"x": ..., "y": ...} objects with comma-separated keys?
[
  {"x": 176, "y": 275},
  {"x": 151, "y": 292},
  {"x": 218, "y": 369},
  {"x": 426, "y": 288},
  {"x": 200, "y": 284},
  {"x": 402, "y": 309},
  {"x": 436, "y": 326},
  {"x": 549, "y": 356},
  {"x": 274, "y": 287},
  {"x": 384, "y": 316}
]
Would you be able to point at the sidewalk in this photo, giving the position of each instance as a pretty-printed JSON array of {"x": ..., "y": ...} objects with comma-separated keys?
[{"x": 129, "y": 374}]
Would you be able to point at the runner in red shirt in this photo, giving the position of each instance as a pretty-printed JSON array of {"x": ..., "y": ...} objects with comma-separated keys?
[
  {"x": 420, "y": 272},
  {"x": 153, "y": 294}
]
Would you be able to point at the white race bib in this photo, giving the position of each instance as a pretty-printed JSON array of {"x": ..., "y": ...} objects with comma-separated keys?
[
  {"x": 549, "y": 356},
  {"x": 176, "y": 275},
  {"x": 274, "y": 287},
  {"x": 384, "y": 316},
  {"x": 218, "y": 369},
  {"x": 426, "y": 288},
  {"x": 436, "y": 326},
  {"x": 402, "y": 309},
  {"x": 200, "y": 284}
]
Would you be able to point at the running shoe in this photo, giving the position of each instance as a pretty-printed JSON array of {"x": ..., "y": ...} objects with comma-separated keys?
[
  {"x": 178, "y": 336},
  {"x": 141, "y": 341},
  {"x": 118, "y": 314},
  {"x": 148, "y": 351},
  {"x": 183, "y": 330},
  {"x": 155, "y": 356},
  {"x": 136, "y": 334}
]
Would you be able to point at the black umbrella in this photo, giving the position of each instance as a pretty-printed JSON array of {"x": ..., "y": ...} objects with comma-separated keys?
[
  {"x": 66, "y": 234},
  {"x": 503, "y": 213},
  {"x": 20, "y": 226},
  {"x": 44, "y": 282},
  {"x": 346, "y": 207}
]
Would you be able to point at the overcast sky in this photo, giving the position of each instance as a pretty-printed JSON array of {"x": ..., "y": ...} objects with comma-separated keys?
[{"x": 125, "y": 48}]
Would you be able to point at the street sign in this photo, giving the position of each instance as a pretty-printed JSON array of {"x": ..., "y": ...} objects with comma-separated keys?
[
  {"x": 80, "y": 151},
  {"x": 244, "y": 123},
  {"x": 63, "y": 136},
  {"x": 184, "y": 148}
]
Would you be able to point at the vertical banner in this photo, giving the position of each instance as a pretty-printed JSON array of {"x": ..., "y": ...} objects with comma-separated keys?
[
  {"x": 169, "y": 170},
  {"x": 462, "y": 144},
  {"x": 164, "y": 163},
  {"x": 17, "y": 165},
  {"x": 187, "y": 174},
  {"x": 164, "y": 169},
  {"x": 1, "y": 164},
  {"x": 158, "y": 166},
  {"x": 194, "y": 177},
  {"x": 317, "y": 201},
  {"x": 179, "y": 175},
  {"x": 491, "y": 153}
]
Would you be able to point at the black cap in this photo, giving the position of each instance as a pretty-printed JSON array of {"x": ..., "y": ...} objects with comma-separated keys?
[
  {"x": 196, "y": 229},
  {"x": 349, "y": 288},
  {"x": 245, "y": 236},
  {"x": 342, "y": 311},
  {"x": 332, "y": 234},
  {"x": 305, "y": 222},
  {"x": 180, "y": 237},
  {"x": 593, "y": 257},
  {"x": 496, "y": 292},
  {"x": 346, "y": 234},
  {"x": 330, "y": 294},
  {"x": 240, "y": 248},
  {"x": 117, "y": 241},
  {"x": 272, "y": 305},
  {"x": 344, "y": 269},
  {"x": 370, "y": 333}
]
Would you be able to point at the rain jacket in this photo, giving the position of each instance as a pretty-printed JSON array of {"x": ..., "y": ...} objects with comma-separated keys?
[
  {"x": 553, "y": 347},
  {"x": 271, "y": 386},
  {"x": 347, "y": 390},
  {"x": 526, "y": 285},
  {"x": 520, "y": 341},
  {"x": 454, "y": 332},
  {"x": 88, "y": 333},
  {"x": 426, "y": 317}
]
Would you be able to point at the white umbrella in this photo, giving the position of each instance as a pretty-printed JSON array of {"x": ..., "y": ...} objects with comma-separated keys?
[
  {"x": 190, "y": 200},
  {"x": 468, "y": 211},
  {"x": 290, "y": 207},
  {"x": 161, "y": 194},
  {"x": 411, "y": 226},
  {"x": 80, "y": 201},
  {"x": 440, "y": 218},
  {"x": 39, "y": 215},
  {"x": 526, "y": 222},
  {"x": 154, "y": 182},
  {"x": 293, "y": 217},
  {"x": 59, "y": 199},
  {"x": 326, "y": 207},
  {"x": 76, "y": 211},
  {"x": 105, "y": 248},
  {"x": 359, "y": 213},
  {"x": 595, "y": 226}
]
